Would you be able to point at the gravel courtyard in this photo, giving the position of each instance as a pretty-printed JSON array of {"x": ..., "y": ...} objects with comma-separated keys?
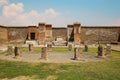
[{"x": 53, "y": 57}]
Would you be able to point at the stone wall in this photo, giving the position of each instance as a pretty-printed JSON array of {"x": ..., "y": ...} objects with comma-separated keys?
[
  {"x": 89, "y": 34},
  {"x": 62, "y": 32},
  {"x": 17, "y": 34},
  {"x": 99, "y": 33},
  {"x": 3, "y": 35}
]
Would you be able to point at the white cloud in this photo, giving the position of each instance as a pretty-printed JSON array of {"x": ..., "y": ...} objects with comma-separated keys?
[
  {"x": 14, "y": 14},
  {"x": 13, "y": 9},
  {"x": 2, "y": 2}
]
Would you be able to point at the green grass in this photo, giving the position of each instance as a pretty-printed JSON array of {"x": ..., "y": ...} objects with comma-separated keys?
[{"x": 106, "y": 70}]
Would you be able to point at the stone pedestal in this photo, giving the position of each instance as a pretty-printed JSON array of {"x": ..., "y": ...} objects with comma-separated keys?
[
  {"x": 108, "y": 50},
  {"x": 44, "y": 54},
  {"x": 30, "y": 47},
  {"x": 86, "y": 48},
  {"x": 77, "y": 53},
  {"x": 69, "y": 47},
  {"x": 9, "y": 50},
  {"x": 17, "y": 51},
  {"x": 49, "y": 47},
  {"x": 100, "y": 51}
]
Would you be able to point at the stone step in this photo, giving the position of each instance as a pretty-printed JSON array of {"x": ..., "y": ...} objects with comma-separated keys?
[{"x": 34, "y": 42}]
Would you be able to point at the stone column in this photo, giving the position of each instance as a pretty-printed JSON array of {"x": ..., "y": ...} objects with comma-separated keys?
[
  {"x": 77, "y": 53},
  {"x": 17, "y": 51},
  {"x": 86, "y": 48},
  {"x": 30, "y": 47},
  {"x": 100, "y": 51},
  {"x": 69, "y": 47},
  {"x": 49, "y": 47},
  {"x": 44, "y": 54},
  {"x": 108, "y": 50},
  {"x": 9, "y": 50}
]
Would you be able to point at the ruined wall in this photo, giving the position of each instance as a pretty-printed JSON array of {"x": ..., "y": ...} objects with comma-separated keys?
[
  {"x": 62, "y": 32},
  {"x": 3, "y": 35},
  {"x": 17, "y": 34},
  {"x": 99, "y": 33}
]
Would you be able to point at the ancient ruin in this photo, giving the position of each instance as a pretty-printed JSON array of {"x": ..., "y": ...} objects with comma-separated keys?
[{"x": 43, "y": 34}]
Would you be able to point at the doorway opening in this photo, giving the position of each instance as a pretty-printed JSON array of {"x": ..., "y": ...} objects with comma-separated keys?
[{"x": 32, "y": 35}]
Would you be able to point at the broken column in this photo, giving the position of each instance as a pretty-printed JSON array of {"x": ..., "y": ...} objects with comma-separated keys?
[
  {"x": 17, "y": 51},
  {"x": 9, "y": 50},
  {"x": 100, "y": 51},
  {"x": 49, "y": 47},
  {"x": 77, "y": 53},
  {"x": 30, "y": 47},
  {"x": 69, "y": 47},
  {"x": 108, "y": 50},
  {"x": 86, "y": 48},
  {"x": 44, "y": 54}
]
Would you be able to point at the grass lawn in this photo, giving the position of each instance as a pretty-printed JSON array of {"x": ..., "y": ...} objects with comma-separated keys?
[
  {"x": 103, "y": 70},
  {"x": 106, "y": 70}
]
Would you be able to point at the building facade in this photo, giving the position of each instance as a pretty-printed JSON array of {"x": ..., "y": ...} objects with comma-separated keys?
[{"x": 45, "y": 33}]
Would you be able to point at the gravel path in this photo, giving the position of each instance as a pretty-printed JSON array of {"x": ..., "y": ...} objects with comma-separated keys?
[{"x": 53, "y": 57}]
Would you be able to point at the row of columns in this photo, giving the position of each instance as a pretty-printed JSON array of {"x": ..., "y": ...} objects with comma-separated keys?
[{"x": 45, "y": 50}]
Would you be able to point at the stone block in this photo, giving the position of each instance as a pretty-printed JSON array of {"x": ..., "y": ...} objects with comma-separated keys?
[
  {"x": 69, "y": 47},
  {"x": 100, "y": 51},
  {"x": 17, "y": 51},
  {"x": 108, "y": 50}
]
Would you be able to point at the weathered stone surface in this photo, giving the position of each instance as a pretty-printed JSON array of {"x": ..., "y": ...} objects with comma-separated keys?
[
  {"x": 17, "y": 51},
  {"x": 49, "y": 47},
  {"x": 3, "y": 35},
  {"x": 108, "y": 50},
  {"x": 9, "y": 50},
  {"x": 100, "y": 51},
  {"x": 86, "y": 48},
  {"x": 30, "y": 47},
  {"x": 69, "y": 47},
  {"x": 77, "y": 53},
  {"x": 44, "y": 53}
]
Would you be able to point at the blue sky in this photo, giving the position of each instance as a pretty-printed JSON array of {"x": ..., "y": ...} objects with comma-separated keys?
[{"x": 60, "y": 12}]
